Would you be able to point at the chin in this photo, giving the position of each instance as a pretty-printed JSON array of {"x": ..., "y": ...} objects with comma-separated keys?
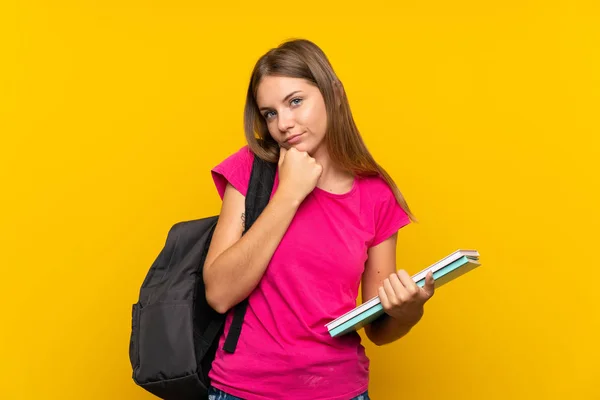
[{"x": 302, "y": 147}]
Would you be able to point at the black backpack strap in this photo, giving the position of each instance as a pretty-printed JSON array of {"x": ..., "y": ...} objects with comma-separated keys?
[
  {"x": 235, "y": 329},
  {"x": 213, "y": 329},
  {"x": 257, "y": 198}
]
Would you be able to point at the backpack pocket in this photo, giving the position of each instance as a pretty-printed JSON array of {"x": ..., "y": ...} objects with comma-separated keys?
[{"x": 166, "y": 345}]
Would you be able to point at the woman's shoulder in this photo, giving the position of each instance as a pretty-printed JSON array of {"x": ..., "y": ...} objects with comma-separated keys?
[
  {"x": 387, "y": 214},
  {"x": 239, "y": 157},
  {"x": 235, "y": 169},
  {"x": 375, "y": 186}
]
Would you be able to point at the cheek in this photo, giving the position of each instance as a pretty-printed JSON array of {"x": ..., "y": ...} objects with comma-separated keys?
[
  {"x": 321, "y": 121},
  {"x": 273, "y": 130},
  {"x": 315, "y": 119},
  {"x": 276, "y": 135}
]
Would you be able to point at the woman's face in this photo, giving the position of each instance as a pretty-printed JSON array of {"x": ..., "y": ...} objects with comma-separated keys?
[{"x": 294, "y": 111}]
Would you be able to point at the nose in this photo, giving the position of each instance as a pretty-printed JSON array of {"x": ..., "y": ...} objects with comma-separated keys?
[{"x": 285, "y": 121}]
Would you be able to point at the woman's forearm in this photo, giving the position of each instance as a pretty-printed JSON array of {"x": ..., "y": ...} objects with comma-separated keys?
[{"x": 233, "y": 275}]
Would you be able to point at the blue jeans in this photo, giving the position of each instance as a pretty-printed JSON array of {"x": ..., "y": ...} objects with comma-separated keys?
[{"x": 216, "y": 394}]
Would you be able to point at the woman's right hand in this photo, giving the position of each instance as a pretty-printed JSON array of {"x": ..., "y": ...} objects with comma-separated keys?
[{"x": 298, "y": 173}]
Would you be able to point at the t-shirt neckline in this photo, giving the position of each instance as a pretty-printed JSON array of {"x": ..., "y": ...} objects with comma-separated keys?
[{"x": 338, "y": 195}]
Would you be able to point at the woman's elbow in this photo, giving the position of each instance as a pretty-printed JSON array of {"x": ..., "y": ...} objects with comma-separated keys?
[
  {"x": 373, "y": 336},
  {"x": 216, "y": 301},
  {"x": 214, "y": 296}
]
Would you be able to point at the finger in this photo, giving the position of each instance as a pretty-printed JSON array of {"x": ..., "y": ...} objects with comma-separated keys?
[
  {"x": 400, "y": 291},
  {"x": 391, "y": 294},
  {"x": 429, "y": 287},
  {"x": 411, "y": 287},
  {"x": 282, "y": 152},
  {"x": 385, "y": 302}
]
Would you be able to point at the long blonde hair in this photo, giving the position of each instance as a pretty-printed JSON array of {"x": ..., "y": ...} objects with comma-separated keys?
[{"x": 301, "y": 58}]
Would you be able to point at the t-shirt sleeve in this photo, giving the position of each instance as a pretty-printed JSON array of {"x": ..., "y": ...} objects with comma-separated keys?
[
  {"x": 389, "y": 215},
  {"x": 235, "y": 170}
]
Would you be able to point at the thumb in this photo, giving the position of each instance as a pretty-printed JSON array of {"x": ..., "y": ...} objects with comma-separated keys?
[
  {"x": 282, "y": 152},
  {"x": 429, "y": 287}
]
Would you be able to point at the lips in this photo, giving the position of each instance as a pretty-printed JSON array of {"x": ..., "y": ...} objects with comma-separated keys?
[{"x": 294, "y": 138}]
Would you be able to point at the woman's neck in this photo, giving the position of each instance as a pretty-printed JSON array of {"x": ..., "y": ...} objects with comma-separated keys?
[{"x": 333, "y": 179}]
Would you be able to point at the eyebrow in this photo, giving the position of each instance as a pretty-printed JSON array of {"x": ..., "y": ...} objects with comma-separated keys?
[{"x": 285, "y": 98}]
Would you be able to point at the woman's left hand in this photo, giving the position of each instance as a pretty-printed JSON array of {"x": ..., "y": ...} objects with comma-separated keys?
[{"x": 402, "y": 299}]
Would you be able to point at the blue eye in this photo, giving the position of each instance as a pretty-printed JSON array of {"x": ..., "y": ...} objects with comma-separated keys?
[{"x": 266, "y": 115}]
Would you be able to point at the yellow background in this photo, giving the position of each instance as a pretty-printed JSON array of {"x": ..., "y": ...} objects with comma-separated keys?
[{"x": 486, "y": 114}]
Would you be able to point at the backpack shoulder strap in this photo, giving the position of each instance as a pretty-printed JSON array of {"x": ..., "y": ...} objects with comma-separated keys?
[
  {"x": 259, "y": 189},
  {"x": 257, "y": 198}
]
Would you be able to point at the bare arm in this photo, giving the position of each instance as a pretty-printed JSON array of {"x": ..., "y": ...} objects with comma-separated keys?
[
  {"x": 401, "y": 298},
  {"x": 381, "y": 263},
  {"x": 235, "y": 263}
]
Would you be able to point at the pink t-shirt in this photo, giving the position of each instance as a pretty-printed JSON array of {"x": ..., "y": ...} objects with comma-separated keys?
[{"x": 284, "y": 350}]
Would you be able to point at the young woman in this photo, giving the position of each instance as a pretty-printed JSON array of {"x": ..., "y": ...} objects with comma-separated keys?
[{"x": 331, "y": 224}]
